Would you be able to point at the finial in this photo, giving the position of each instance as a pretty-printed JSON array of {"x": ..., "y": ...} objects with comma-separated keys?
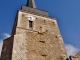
[{"x": 31, "y": 4}]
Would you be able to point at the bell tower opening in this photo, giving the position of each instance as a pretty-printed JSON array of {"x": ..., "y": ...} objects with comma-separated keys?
[{"x": 30, "y": 24}]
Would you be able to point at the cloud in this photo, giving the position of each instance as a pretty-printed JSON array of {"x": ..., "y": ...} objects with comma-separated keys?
[
  {"x": 71, "y": 50},
  {"x": 1, "y": 43},
  {"x": 5, "y": 35}
]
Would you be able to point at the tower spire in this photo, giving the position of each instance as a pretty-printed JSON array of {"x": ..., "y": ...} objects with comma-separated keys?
[{"x": 31, "y": 4}]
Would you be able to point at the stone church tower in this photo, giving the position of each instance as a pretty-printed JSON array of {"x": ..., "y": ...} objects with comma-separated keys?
[{"x": 35, "y": 36}]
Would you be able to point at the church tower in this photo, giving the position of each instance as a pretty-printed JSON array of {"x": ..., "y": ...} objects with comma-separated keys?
[{"x": 35, "y": 36}]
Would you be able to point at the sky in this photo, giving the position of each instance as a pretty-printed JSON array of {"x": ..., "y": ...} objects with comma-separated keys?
[{"x": 67, "y": 13}]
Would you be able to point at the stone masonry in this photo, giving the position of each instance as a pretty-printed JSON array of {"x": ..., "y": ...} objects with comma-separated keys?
[
  {"x": 42, "y": 41},
  {"x": 77, "y": 57}
]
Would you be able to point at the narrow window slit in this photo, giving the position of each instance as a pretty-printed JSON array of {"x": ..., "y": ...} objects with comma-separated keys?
[
  {"x": 44, "y": 55},
  {"x": 30, "y": 24},
  {"x": 56, "y": 36},
  {"x": 42, "y": 41}
]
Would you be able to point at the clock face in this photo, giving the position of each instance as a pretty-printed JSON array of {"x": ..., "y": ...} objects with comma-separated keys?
[{"x": 30, "y": 17}]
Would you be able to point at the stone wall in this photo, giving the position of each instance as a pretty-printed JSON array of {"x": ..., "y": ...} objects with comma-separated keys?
[
  {"x": 43, "y": 41},
  {"x": 34, "y": 46},
  {"x": 19, "y": 47},
  {"x": 7, "y": 49},
  {"x": 44, "y": 47},
  {"x": 78, "y": 54},
  {"x": 76, "y": 57}
]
